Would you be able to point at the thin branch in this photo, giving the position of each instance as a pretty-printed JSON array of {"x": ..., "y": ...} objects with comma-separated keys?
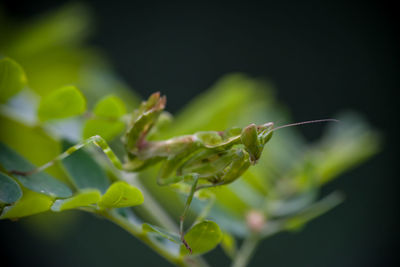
[
  {"x": 246, "y": 251},
  {"x": 138, "y": 233}
]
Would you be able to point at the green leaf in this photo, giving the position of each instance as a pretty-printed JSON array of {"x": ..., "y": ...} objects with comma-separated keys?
[
  {"x": 9, "y": 189},
  {"x": 110, "y": 106},
  {"x": 121, "y": 194},
  {"x": 106, "y": 122},
  {"x": 62, "y": 103},
  {"x": 82, "y": 199},
  {"x": 84, "y": 171},
  {"x": 106, "y": 129},
  {"x": 202, "y": 238},
  {"x": 32, "y": 143},
  {"x": 30, "y": 203},
  {"x": 12, "y": 79},
  {"x": 148, "y": 228},
  {"x": 38, "y": 182}
]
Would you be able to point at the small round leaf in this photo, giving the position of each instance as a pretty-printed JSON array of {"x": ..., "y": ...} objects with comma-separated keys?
[
  {"x": 202, "y": 238},
  {"x": 110, "y": 107},
  {"x": 12, "y": 79},
  {"x": 62, "y": 103},
  {"x": 106, "y": 122},
  {"x": 120, "y": 195},
  {"x": 30, "y": 203},
  {"x": 82, "y": 199},
  {"x": 9, "y": 189},
  {"x": 105, "y": 128}
]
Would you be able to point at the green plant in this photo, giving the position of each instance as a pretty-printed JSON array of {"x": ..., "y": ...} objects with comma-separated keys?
[{"x": 279, "y": 193}]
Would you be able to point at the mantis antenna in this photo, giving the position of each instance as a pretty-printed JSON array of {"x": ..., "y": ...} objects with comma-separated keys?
[{"x": 304, "y": 122}]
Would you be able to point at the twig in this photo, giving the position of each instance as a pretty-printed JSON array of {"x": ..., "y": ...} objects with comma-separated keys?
[{"x": 247, "y": 249}]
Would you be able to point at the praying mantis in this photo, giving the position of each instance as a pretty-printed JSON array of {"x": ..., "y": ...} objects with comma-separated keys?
[{"x": 203, "y": 159}]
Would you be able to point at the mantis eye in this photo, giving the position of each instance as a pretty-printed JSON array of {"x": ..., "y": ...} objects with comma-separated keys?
[{"x": 251, "y": 142}]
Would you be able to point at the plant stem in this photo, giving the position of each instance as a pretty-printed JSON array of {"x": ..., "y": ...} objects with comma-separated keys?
[
  {"x": 247, "y": 249},
  {"x": 137, "y": 232},
  {"x": 151, "y": 206}
]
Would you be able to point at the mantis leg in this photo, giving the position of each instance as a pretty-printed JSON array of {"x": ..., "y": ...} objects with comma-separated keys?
[
  {"x": 170, "y": 180},
  {"x": 97, "y": 140},
  {"x": 186, "y": 209}
]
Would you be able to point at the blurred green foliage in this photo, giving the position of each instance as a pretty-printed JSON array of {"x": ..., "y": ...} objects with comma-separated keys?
[
  {"x": 39, "y": 121},
  {"x": 62, "y": 103},
  {"x": 13, "y": 78}
]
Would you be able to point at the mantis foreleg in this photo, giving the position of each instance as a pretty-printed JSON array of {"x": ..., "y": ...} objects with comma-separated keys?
[
  {"x": 97, "y": 140},
  {"x": 186, "y": 209}
]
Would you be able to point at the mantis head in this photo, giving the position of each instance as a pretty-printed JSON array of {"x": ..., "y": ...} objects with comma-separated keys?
[{"x": 254, "y": 138}]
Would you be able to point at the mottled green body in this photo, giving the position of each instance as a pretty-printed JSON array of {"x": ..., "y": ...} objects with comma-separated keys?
[{"x": 216, "y": 157}]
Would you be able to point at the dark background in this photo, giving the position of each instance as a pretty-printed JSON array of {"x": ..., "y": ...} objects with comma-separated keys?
[{"x": 323, "y": 56}]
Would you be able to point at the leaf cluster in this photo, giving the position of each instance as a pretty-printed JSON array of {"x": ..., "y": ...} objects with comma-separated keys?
[{"x": 43, "y": 117}]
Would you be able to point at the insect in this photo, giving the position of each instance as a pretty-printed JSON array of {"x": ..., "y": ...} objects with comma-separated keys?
[{"x": 203, "y": 159}]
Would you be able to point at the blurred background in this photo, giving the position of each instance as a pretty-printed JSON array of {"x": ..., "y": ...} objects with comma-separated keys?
[{"x": 323, "y": 57}]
